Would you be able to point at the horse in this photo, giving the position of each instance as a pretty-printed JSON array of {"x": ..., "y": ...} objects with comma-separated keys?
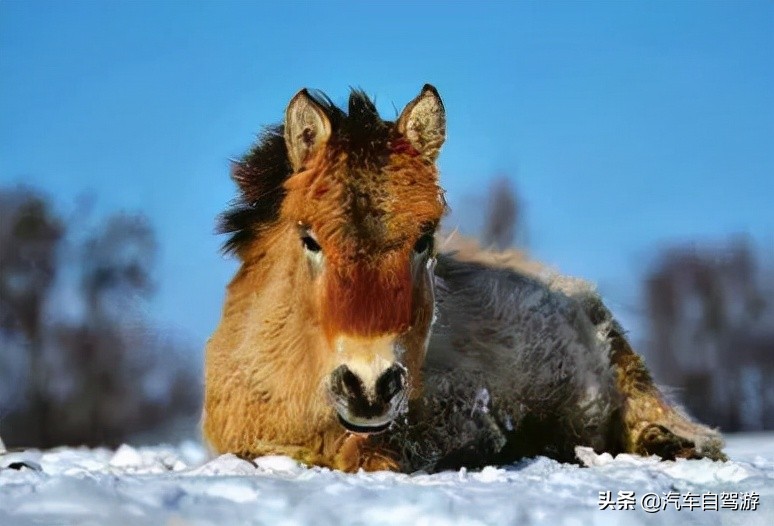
[{"x": 354, "y": 336}]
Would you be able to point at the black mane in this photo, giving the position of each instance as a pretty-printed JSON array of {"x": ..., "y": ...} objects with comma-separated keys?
[{"x": 260, "y": 174}]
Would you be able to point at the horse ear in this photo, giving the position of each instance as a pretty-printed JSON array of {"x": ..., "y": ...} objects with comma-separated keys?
[
  {"x": 423, "y": 123},
  {"x": 307, "y": 127}
]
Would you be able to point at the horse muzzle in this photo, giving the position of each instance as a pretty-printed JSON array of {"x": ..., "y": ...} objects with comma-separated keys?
[{"x": 368, "y": 407}]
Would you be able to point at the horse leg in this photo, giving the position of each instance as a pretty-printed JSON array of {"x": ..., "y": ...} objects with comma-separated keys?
[
  {"x": 647, "y": 423},
  {"x": 359, "y": 452},
  {"x": 650, "y": 424}
]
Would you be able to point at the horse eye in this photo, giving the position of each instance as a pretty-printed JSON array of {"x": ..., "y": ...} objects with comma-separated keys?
[
  {"x": 424, "y": 244},
  {"x": 310, "y": 244}
]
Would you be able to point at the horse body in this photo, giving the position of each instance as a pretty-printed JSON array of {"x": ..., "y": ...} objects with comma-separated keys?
[{"x": 347, "y": 341}]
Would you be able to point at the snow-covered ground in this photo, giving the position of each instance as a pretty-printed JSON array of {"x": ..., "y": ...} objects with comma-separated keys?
[{"x": 180, "y": 486}]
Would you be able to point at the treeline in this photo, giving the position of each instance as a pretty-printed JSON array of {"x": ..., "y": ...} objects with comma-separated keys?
[
  {"x": 710, "y": 311},
  {"x": 81, "y": 363}
]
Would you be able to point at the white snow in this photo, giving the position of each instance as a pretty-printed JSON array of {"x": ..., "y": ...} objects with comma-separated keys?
[{"x": 181, "y": 486}]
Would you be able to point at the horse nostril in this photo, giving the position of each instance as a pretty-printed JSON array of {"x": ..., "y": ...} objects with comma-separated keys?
[
  {"x": 390, "y": 383},
  {"x": 346, "y": 383}
]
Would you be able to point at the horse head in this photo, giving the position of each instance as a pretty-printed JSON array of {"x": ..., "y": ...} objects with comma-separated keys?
[{"x": 365, "y": 200}]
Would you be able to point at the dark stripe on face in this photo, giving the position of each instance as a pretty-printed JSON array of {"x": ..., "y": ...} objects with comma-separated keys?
[{"x": 368, "y": 299}]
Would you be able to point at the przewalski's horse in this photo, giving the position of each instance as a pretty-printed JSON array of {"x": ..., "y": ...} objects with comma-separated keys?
[{"x": 325, "y": 350}]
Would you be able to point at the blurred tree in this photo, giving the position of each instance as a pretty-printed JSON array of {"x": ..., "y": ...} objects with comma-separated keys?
[
  {"x": 503, "y": 215},
  {"x": 29, "y": 239},
  {"x": 109, "y": 373},
  {"x": 117, "y": 263},
  {"x": 712, "y": 333}
]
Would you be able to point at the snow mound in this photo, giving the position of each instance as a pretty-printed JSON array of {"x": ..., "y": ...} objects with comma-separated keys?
[{"x": 182, "y": 486}]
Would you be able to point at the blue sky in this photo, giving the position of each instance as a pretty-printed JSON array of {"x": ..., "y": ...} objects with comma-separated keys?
[{"x": 624, "y": 125}]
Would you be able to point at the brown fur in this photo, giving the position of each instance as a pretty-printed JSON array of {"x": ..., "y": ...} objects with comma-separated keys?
[
  {"x": 365, "y": 236},
  {"x": 368, "y": 190},
  {"x": 267, "y": 361}
]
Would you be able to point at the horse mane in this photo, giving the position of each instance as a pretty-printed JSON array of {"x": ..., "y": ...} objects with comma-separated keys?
[{"x": 261, "y": 173}]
